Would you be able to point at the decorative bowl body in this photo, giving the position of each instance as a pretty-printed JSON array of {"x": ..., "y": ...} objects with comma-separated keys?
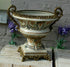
[{"x": 34, "y": 23}]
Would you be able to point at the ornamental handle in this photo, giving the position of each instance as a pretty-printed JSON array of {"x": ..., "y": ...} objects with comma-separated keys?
[
  {"x": 12, "y": 9},
  {"x": 58, "y": 12}
]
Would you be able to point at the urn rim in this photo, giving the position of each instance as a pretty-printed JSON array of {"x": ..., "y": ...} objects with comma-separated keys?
[{"x": 42, "y": 15}]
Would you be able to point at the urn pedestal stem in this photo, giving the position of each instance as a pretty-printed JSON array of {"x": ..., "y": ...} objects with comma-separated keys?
[{"x": 35, "y": 43}]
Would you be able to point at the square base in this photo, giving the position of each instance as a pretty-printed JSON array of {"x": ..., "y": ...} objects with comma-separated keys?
[{"x": 28, "y": 53}]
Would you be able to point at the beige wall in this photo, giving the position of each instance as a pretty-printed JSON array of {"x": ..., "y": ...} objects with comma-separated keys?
[{"x": 4, "y": 4}]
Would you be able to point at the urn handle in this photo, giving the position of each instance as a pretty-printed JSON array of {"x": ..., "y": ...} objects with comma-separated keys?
[
  {"x": 58, "y": 12},
  {"x": 12, "y": 9}
]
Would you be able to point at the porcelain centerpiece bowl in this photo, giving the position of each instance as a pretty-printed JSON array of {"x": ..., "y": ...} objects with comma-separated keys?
[{"x": 34, "y": 24}]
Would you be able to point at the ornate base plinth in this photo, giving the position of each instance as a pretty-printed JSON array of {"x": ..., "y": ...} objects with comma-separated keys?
[{"x": 28, "y": 53}]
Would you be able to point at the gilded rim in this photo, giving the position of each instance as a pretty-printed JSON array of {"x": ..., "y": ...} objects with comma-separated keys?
[{"x": 35, "y": 17}]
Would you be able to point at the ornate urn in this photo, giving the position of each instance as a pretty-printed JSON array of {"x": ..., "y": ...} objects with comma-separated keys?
[{"x": 34, "y": 25}]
